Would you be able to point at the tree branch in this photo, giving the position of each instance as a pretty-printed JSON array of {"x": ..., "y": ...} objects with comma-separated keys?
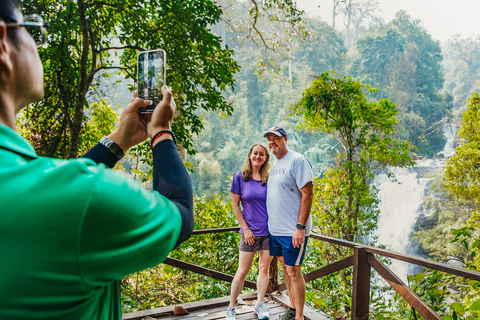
[{"x": 121, "y": 48}]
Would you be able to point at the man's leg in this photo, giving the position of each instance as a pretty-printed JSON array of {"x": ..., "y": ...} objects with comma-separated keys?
[
  {"x": 287, "y": 278},
  {"x": 296, "y": 291}
]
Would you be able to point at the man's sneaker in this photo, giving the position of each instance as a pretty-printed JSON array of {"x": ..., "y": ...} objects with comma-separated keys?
[
  {"x": 289, "y": 315},
  {"x": 261, "y": 311},
  {"x": 230, "y": 313}
]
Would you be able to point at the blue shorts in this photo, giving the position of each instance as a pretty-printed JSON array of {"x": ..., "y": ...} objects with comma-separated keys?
[{"x": 283, "y": 247}]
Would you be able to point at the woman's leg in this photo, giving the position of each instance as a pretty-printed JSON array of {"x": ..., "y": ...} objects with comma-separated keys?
[
  {"x": 263, "y": 267},
  {"x": 244, "y": 263}
]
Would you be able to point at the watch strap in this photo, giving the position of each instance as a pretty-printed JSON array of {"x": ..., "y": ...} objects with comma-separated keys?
[
  {"x": 300, "y": 226},
  {"x": 113, "y": 147}
]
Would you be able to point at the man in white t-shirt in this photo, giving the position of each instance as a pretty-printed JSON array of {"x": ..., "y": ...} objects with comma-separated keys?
[{"x": 289, "y": 200}]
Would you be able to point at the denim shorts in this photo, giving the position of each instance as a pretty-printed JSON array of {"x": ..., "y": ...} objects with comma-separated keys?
[{"x": 283, "y": 247}]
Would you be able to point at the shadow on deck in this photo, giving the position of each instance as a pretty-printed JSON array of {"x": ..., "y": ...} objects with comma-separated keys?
[{"x": 214, "y": 309}]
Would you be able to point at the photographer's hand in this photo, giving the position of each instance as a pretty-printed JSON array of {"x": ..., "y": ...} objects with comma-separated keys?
[
  {"x": 132, "y": 128},
  {"x": 162, "y": 116}
]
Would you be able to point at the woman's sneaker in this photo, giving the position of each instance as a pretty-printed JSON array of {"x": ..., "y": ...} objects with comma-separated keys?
[
  {"x": 230, "y": 313},
  {"x": 261, "y": 311}
]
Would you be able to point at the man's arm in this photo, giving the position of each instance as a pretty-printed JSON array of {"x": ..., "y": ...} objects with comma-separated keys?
[
  {"x": 170, "y": 177},
  {"x": 304, "y": 213}
]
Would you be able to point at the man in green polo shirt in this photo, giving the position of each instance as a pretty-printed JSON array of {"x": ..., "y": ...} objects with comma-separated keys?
[{"x": 70, "y": 230}]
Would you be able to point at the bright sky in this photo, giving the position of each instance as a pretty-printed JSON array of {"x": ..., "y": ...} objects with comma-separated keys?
[{"x": 442, "y": 18}]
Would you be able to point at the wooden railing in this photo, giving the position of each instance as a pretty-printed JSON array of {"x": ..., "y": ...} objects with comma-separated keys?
[{"x": 362, "y": 260}]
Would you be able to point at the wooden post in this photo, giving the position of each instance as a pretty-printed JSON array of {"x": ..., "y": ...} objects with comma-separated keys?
[
  {"x": 361, "y": 285},
  {"x": 273, "y": 276}
]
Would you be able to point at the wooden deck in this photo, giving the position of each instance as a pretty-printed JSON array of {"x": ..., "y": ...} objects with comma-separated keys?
[{"x": 215, "y": 309}]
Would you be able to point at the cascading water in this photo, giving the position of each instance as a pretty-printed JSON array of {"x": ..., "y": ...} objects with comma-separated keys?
[
  {"x": 400, "y": 204},
  {"x": 399, "y": 209},
  {"x": 449, "y": 131}
]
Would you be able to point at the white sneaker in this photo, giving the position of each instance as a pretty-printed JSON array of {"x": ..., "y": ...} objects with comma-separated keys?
[
  {"x": 261, "y": 311},
  {"x": 230, "y": 313}
]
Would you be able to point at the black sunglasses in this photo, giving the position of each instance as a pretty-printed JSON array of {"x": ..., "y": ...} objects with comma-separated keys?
[{"x": 34, "y": 25}]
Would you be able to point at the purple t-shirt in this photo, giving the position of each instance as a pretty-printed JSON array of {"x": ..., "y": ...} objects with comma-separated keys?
[{"x": 253, "y": 197}]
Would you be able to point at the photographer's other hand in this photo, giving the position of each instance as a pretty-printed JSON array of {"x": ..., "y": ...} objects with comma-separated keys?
[
  {"x": 162, "y": 116},
  {"x": 132, "y": 128}
]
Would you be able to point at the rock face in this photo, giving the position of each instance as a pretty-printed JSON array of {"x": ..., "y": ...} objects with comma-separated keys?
[
  {"x": 425, "y": 171},
  {"x": 425, "y": 223}
]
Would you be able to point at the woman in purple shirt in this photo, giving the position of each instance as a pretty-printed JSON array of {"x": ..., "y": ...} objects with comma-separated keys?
[{"x": 249, "y": 188}]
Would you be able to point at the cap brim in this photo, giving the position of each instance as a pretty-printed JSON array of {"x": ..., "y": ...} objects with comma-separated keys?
[{"x": 274, "y": 132}]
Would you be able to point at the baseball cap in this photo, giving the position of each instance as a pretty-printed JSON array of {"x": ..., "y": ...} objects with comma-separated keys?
[{"x": 276, "y": 130}]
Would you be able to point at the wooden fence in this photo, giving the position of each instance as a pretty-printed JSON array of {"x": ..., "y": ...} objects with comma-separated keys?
[{"x": 362, "y": 260}]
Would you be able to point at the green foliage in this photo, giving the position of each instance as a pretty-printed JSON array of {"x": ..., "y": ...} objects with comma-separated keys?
[
  {"x": 338, "y": 106},
  {"x": 403, "y": 61},
  {"x": 446, "y": 214},
  {"x": 268, "y": 29},
  {"x": 165, "y": 285},
  {"x": 325, "y": 52},
  {"x": 331, "y": 294},
  {"x": 345, "y": 204},
  {"x": 83, "y": 41},
  {"x": 459, "y": 220},
  {"x": 462, "y": 173},
  {"x": 431, "y": 286},
  {"x": 101, "y": 122},
  {"x": 462, "y": 66}
]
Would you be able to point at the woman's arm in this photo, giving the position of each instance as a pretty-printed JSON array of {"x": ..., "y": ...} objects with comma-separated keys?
[{"x": 249, "y": 236}]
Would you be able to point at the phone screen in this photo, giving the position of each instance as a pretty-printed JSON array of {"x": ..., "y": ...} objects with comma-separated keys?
[{"x": 151, "y": 77}]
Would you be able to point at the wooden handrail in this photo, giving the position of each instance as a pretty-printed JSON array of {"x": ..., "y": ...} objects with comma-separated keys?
[
  {"x": 205, "y": 271},
  {"x": 411, "y": 297},
  {"x": 217, "y": 230},
  {"x": 404, "y": 257},
  {"x": 362, "y": 260}
]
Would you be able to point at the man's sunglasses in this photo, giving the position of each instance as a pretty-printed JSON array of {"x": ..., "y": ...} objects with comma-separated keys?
[{"x": 35, "y": 26}]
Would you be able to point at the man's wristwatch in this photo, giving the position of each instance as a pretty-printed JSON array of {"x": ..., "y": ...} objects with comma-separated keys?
[
  {"x": 113, "y": 147},
  {"x": 301, "y": 227}
]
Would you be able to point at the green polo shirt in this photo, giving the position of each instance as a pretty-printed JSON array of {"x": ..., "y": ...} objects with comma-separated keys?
[{"x": 69, "y": 230}]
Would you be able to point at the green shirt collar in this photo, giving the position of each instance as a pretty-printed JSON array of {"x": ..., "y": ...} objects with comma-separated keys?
[{"x": 10, "y": 140}]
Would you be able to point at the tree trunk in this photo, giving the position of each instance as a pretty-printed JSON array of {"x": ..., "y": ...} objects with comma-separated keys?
[
  {"x": 273, "y": 276},
  {"x": 85, "y": 80}
]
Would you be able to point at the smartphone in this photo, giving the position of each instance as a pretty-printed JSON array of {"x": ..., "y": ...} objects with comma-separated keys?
[{"x": 151, "y": 77}]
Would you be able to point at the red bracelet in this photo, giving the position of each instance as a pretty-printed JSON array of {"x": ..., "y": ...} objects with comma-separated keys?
[{"x": 160, "y": 133}]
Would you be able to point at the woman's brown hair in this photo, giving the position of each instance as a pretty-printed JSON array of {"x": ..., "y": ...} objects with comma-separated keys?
[{"x": 247, "y": 165}]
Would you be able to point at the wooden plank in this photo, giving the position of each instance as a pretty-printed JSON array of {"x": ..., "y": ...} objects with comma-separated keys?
[
  {"x": 220, "y": 313},
  {"x": 361, "y": 285},
  {"x": 206, "y": 272},
  {"x": 282, "y": 287},
  {"x": 216, "y": 230},
  {"x": 331, "y": 268},
  {"x": 309, "y": 313},
  {"x": 190, "y": 306},
  {"x": 411, "y": 297}
]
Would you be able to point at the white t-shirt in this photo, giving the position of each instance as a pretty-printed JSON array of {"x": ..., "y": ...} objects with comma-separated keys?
[{"x": 287, "y": 176}]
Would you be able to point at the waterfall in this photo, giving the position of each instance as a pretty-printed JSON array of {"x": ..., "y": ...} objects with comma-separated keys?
[
  {"x": 400, "y": 204},
  {"x": 399, "y": 209},
  {"x": 449, "y": 131}
]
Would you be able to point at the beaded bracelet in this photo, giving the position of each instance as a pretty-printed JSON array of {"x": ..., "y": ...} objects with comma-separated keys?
[{"x": 159, "y": 133}]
